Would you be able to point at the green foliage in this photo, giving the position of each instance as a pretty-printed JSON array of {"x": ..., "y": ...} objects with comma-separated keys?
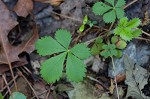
[
  {"x": 17, "y": 95},
  {"x": 52, "y": 68},
  {"x": 127, "y": 30},
  {"x": 97, "y": 46},
  {"x": 1, "y": 96},
  {"x": 110, "y": 12},
  {"x": 120, "y": 44},
  {"x": 86, "y": 21},
  {"x": 109, "y": 50}
]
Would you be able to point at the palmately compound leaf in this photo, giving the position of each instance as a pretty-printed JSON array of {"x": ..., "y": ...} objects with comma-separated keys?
[
  {"x": 52, "y": 68},
  {"x": 75, "y": 68},
  {"x": 109, "y": 50},
  {"x": 63, "y": 37},
  {"x": 110, "y": 12},
  {"x": 100, "y": 8},
  {"x": 128, "y": 30},
  {"x": 81, "y": 51},
  {"x": 17, "y": 95},
  {"x": 47, "y": 46}
]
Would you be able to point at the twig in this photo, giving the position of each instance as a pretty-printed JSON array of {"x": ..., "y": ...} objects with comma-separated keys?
[
  {"x": 91, "y": 78},
  {"x": 9, "y": 63},
  {"x": 7, "y": 85},
  {"x": 48, "y": 94},
  {"x": 20, "y": 73},
  {"x": 129, "y": 4},
  {"x": 140, "y": 38},
  {"x": 145, "y": 33},
  {"x": 115, "y": 78}
]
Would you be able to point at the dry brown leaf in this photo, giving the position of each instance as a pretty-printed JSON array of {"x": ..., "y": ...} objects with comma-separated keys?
[
  {"x": 23, "y": 7},
  {"x": 121, "y": 77},
  {"x": 52, "y": 2},
  {"x": 9, "y": 53}
]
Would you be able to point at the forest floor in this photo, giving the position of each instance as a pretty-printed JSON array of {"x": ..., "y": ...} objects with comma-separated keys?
[{"x": 23, "y": 22}]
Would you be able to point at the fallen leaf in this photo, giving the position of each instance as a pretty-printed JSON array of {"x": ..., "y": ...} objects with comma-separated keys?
[
  {"x": 23, "y": 7},
  {"x": 136, "y": 78},
  {"x": 52, "y": 2},
  {"x": 9, "y": 53},
  {"x": 120, "y": 77}
]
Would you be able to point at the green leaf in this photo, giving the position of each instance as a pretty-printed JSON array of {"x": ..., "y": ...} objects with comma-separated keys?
[
  {"x": 75, "y": 68},
  {"x": 109, "y": 16},
  {"x": 1, "y": 96},
  {"x": 109, "y": 50},
  {"x": 81, "y": 29},
  {"x": 81, "y": 51},
  {"x": 114, "y": 39},
  {"x": 97, "y": 47},
  {"x": 123, "y": 22},
  {"x": 63, "y": 37},
  {"x": 100, "y": 8},
  {"x": 85, "y": 20},
  {"x": 121, "y": 44},
  {"x": 127, "y": 30},
  {"x": 119, "y": 12},
  {"x": 134, "y": 23},
  {"x": 17, "y": 95},
  {"x": 136, "y": 33},
  {"x": 47, "y": 46},
  {"x": 120, "y": 3},
  {"x": 52, "y": 68},
  {"x": 119, "y": 54},
  {"x": 110, "y": 1}
]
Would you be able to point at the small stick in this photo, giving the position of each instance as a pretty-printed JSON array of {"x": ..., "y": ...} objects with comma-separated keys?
[
  {"x": 20, "y": 73},
  {"x": 7, "y": 85},
  {"x": 91, "y": 78},
  {"x": 129, "y": 4}
]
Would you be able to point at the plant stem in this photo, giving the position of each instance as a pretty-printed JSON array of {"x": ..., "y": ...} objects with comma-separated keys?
[{"x": 115, "y": 78}]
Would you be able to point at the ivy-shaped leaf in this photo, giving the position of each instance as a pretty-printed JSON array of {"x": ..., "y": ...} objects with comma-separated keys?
[
  {"x": 109, "y": 12},
  {"x": 52, "y": 68},
  {"x": 127, "y": 30}
]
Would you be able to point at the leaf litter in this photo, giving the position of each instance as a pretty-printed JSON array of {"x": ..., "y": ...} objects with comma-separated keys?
[{"x": 49, "y": 22}]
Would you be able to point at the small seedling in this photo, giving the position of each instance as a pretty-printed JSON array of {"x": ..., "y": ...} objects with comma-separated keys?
[
  {"x": 86, "y": 21},
  {"x": 52, "y": 68},
  {"x": 111, "y": 11},
  {"x": 97, "y": 46},
  {"x": 128, "y": 30}
]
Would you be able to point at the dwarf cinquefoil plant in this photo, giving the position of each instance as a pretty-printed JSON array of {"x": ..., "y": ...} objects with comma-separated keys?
[
  {"x": 128, "y": 30},
  {"x": 111, "y": 11},
  {"x": 52, "y": 68}
]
